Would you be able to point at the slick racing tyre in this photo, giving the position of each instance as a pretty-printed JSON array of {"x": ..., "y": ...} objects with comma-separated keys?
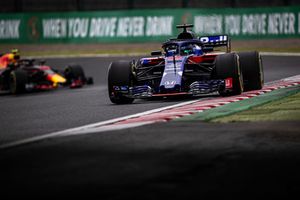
[
  {"x": 252, "y": 70},
  {"x": 227, "y": 66},
  {"x": 74, "y": 72},
  {"x": 18, "y": 80},
  {"x": 119, "y": 74}
]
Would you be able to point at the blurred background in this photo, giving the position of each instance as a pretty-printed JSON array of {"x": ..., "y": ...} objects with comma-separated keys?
[{"x": 106, "y": 26}]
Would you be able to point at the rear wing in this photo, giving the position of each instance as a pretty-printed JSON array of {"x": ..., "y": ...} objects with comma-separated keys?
[{"x": 209, "y": 42}]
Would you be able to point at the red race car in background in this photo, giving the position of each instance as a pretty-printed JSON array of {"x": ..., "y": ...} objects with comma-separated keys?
[{"x": 27, "y": 75}]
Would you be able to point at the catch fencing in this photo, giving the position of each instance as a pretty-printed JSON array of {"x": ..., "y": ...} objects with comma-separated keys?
[{"x": 148, "y": 25}]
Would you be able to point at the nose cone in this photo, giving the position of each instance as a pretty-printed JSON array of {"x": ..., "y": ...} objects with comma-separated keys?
[{"x": 56, "y": 78}]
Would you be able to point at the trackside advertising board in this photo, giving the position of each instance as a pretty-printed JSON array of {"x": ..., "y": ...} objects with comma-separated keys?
[{"x": 148, "y": 25}]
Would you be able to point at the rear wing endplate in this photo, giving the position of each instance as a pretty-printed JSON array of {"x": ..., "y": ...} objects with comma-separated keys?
[{"x": 216, "y": 41}]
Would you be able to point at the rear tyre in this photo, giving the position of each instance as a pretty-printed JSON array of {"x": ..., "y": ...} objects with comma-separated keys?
[
  {"x": 252, "y": 70},
  {"x": 74, "y": 72},
  {"x": 18, "y": 80},
  {"x": 227, "y": 66},
  {"x": 119, "y": 74}
]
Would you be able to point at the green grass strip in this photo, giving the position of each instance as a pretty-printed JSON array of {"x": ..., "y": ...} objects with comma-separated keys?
[
  {"x": 287, "y": 108},
  {"x": 236, "y": 107}
]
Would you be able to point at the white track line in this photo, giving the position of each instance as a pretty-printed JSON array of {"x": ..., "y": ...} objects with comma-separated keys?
[
  {"x": 99, "y": 126},
  {"x": 279, "y": 54}
]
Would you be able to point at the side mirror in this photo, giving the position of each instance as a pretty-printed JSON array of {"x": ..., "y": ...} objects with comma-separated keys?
[{"x": 156, "y": 53}]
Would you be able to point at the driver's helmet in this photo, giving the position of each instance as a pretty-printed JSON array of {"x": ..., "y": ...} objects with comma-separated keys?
[
  {"x": 191, "y": 49},
  {"x": 16, "y": 54},
  {"x": 186, "y": 49},
  {"x": 197, "y": 50}
]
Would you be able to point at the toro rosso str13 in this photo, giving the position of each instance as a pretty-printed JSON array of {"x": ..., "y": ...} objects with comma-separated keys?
[
  {"x": 188, "y": 65},
  {"x": 27, "y": 75}
]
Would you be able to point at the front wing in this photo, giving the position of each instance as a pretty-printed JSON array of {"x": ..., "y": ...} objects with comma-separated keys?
[{"x": 195, "y": 89}]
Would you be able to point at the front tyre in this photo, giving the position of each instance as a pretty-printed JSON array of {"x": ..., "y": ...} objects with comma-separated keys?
[
  {"x": 18, "y": 80},
  {"x": 74, "y": 72},
  {"x": 119, "y": 75},
  {"x": 227, "y": 66}
]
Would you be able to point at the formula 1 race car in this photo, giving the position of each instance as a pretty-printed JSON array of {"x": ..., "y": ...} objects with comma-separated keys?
[
  {"x": 188, "y": 65},
  {"x": 28, "y": 75}
]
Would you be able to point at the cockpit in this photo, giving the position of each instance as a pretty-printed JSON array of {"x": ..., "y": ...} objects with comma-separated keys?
[{"x": 183, "y": 49}]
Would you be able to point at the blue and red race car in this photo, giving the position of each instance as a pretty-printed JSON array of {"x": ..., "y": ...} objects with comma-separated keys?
[{"x": 188, "y": 65}]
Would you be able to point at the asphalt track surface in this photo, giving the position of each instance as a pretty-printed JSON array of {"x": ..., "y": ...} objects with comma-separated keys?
[{"x": 174, "y": 160}]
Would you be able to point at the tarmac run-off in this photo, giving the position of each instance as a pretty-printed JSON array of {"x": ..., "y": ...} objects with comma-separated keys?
[{"x": 163, "y": 114}]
